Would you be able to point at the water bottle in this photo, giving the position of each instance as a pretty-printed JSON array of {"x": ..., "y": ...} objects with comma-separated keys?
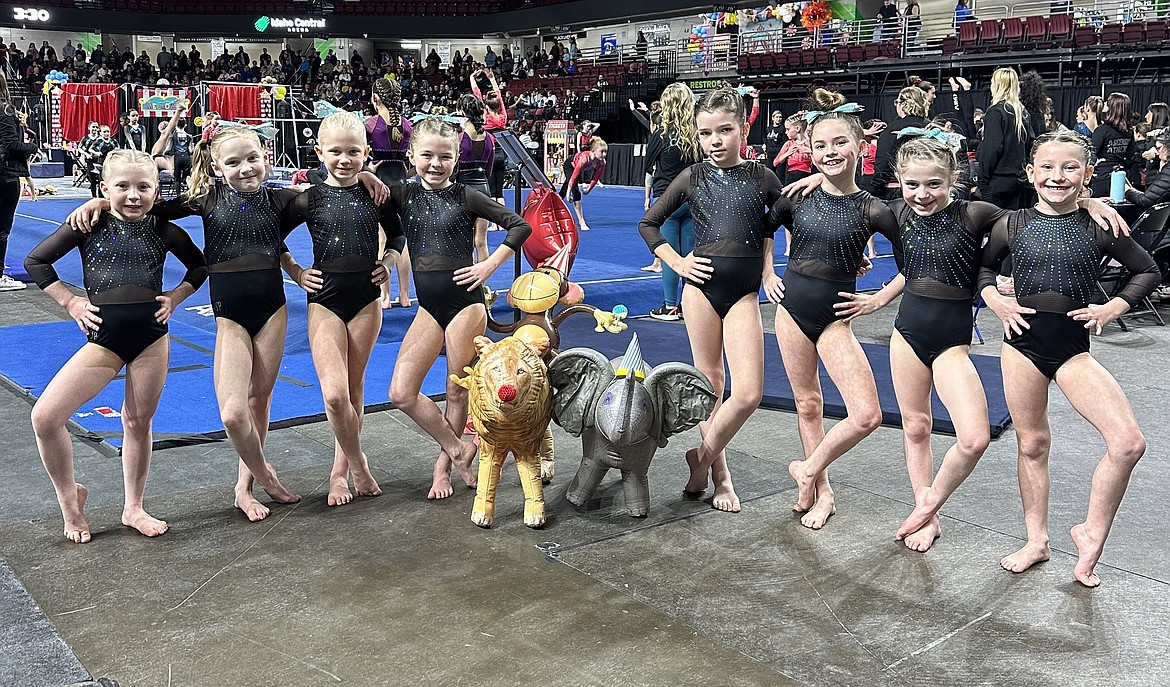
[{"x": 1117, "y": 186}]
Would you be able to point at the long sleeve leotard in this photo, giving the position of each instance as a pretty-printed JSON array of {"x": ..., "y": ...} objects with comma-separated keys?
[
  {"x": 241, "y": 231},
  {"x": 122, "y": 261},
  {"x": 1056, "y": 260},
  {"x": 343, "y": 223},
  {"x": 941, "y": 251},
  {"x": 728, "y": 207},
  {"x": 829, "y": 234}
]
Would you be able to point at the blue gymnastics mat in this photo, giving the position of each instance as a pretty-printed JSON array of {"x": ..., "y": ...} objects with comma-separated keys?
[
  {"x": 607, "y": 267},
  {"x": 667, "y": 341}
]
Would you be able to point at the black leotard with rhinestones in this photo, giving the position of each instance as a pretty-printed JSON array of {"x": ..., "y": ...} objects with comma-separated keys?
[
  {"x": 1056, "y": 260},
  {"x": 829, "y": 234},
  {"x": 122, "y": 261},
  {"x": 728, "y": 207},
  {"x": 440, "y": 224},
  {"x": 241, "y": 231},
  {"x": 941, "y": 251},
  {"x": 343, "y": 223}
]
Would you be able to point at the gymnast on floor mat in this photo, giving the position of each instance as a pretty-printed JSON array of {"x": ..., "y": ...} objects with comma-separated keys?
[
  {"x": 1056, "y": 257},
  {"x": 731, "y": 260},
  {"x": 442, "y": 220},
  {"x": 124, "y": 315}
]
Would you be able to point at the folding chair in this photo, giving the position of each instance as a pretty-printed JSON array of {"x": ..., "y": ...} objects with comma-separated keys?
[{"x": 1151, "y": 227}]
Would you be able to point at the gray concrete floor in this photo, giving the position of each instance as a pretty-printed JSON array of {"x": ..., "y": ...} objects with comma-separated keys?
[{"x": 397, "y": 590}]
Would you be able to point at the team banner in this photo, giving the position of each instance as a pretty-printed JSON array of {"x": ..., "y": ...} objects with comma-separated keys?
[{"x": 162, "y": 102}]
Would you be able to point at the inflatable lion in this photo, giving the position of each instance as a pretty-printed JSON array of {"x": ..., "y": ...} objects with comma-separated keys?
[{"x": 510, "y": 404}]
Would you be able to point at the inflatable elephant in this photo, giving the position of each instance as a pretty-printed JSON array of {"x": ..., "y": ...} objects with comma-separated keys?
[{"x": 623, "y": 416}]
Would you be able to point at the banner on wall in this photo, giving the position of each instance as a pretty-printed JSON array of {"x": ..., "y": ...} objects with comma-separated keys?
[
  {"x": 162, "y": 102},
  {"x": 560, "y": 143},
  {"x": 218, "y": 47},
  {"x": 657, "y": 34},
  {"x": 444, "y": 50},
  {"x": 608, "y": 43}
]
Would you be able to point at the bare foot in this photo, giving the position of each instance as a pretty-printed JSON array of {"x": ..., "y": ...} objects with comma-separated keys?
[
  {"x": 246, "y": 502},
  {"x": 277, "y": 492},
  {"x": 385, "y": 301},
  {"x": 697, "y": 484},
  {"x": 1088, "y": 551},
  {"x": 805, "y": 484},
  {"x": 140, "y": 520},
  {"x": 917, "y": 519},
  {"x": 725, "y": 499},
  {"x": 1025, "y": 558},
  {"x": 463, "y": 463},
  {"x": 922, "y": 539},
  {"x": 76, "y": 526},
  {"x": 404, "y": 299},
  {"x": 583, "y": 228},
  {"x": 441, "y": 481},
  {"x": 816, "y": 517},
  {"x": 339, "y": 493}
]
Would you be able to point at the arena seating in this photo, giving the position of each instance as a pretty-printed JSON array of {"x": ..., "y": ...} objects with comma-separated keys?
[
  {"x": 1057, "y": 31},
  {"x": 817, "y": 59}
]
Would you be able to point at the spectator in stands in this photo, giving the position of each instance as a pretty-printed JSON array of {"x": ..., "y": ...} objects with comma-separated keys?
[
  {"x": 489, "y": 59},
  {"x": 98, "y": 56},
  {"x": 642, "y": 46},
  {"x": 574, "y": 51},
  {"x": 433, "y": 61},
  {"x": 507, "y": 63},
  {"x": 67, "y": 50},
  {"x": 164, "y": 59},
  {"x": 1007, "y": 140},
  {"x": 913, "y": 14},
  {"x": 48, "y": 54},
  {"x": 963, "y": 13},
  {"x": 887, "y": 18},
  {"x": 1113, "y": 145}
]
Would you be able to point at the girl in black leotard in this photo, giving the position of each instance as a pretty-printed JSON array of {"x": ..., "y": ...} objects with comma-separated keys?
[
  {"x": 829, "y": 232},
  {"x": 344, "y": 314},
  {"x": 1056, "y": 255},
  {"x": 731, "y": 260},
  {"x": 441, "y": 220},
  {"x": 124, "y": 314},
  {"x": 242, "y": 235}
]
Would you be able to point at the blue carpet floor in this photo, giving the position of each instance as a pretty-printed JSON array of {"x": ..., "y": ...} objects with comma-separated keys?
[
  {"x": 607, "y": 267},
  {"x": 667, "y": 341}
]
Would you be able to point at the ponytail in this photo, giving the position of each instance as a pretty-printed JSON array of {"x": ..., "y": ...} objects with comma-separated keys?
[{"x": 201, "y": 174}]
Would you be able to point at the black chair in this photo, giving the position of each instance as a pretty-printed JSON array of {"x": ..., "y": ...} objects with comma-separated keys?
[{"x": 1149, "y": 230}]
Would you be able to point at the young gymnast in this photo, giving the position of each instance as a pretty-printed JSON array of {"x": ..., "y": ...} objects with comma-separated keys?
[
  {"x": 344, "y": 314},
  {"x": 797, "y": 161},
  {"x": 731, "y": 259},
  {"x": 124, "y": 315},
  {"x": 440, "y": 219},
  {"x": 495, "y": 118},
  {"x": 242, "y": 235},
  {"x": 586, "y": 161},
  {"x": 829, "y": 233},
  {"x": 476, "y": 155},
  {"x": 941, "y": 238},
  {"x": 388, "y": 133},
  {"x": 1056, "y": 256}
]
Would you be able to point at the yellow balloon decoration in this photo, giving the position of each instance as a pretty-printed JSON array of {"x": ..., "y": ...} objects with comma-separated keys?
[
  {"x": 280, "y": 92},
  {"x": 199, "y": 121}
]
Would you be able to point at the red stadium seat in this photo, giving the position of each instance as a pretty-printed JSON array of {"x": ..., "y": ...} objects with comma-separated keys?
[
  {"x": 1084, "y": 36},
  {"x": 1013, "y": 34},
  {"x": 872, "y": 51},
  {"x": 1035, "y": 31},
  {"x": 1060, "y": 29},
  {"x": 808, "y": 58},
  {"x": 1134, "y": 33},
  {"x": 1111, "y": 36},
  {"x": 950, "y": 45},
  {"x": 754, "y": 63},
  {"x": 857, "y": 53},
  {"x": 892, "y": 49},
  {"x": 1157, "y": 31},
  {"x": 742, "y": 63},
  {"x": 989, "y": 34},
  {"x": 768, "y": 61},
  {"x": 823, "y": 58},
  {"x": 969, "y": 35}
]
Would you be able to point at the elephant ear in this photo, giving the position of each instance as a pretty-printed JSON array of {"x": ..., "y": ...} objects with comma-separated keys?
[
  {"x": 684, "y": 397},
  {"x": 578, "y": 376}
]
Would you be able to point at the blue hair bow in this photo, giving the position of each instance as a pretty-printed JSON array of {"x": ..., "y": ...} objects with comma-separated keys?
[
  {"x": 847, "y": 108},
  {"x": 450, "y": 119},
  {"x": 324, "y": 108},
  {"x": 266, "y": 132},
  {"x": 951, "y": 139}
]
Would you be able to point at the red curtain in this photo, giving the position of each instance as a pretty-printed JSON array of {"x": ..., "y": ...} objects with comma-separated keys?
[
  {"x": 235, "y": 102},
  {"x": 82, "y": 103}
]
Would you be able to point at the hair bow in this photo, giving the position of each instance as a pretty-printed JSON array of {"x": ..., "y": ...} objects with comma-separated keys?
[
  {"x": 324, "y": 108},
  {"x": 449, "y": 119},
  {"x": 266, "y": 132},
  {"x": 847, "y": 108},
  {"x": 951, "y": 139},
  {"x": 210, "y": 132}
]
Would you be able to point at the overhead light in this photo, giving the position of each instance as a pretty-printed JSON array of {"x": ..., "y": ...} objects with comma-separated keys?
[{"x": 412, "y": 45}]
